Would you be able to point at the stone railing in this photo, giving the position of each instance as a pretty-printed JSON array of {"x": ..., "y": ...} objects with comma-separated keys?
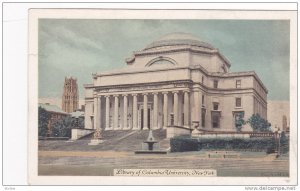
[{"x": 174, "y": 130}]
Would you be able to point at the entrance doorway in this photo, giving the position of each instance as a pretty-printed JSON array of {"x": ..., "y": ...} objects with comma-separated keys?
[
  {"x": 148, "y": 118},
  {"x": 142, "y": 118},
  {"x": 141, "y": 114}
]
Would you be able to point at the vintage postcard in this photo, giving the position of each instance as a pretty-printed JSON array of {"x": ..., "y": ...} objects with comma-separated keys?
[{"x": 186, "y": 97}]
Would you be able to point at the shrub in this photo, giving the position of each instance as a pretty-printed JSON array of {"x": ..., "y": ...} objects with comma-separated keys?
[
  {"x": 247, "y": 144},
  {"x": 181, "y": 144},
  {"x": 62, "y": 127},
  {"x": 284, "y": 143}
]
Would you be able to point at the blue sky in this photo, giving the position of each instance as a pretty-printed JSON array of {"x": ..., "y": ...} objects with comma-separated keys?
[{"x": 74, "y": 47}]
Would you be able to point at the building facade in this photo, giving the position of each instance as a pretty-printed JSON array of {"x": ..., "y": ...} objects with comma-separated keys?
[
  {"x": 70, "y": 96},
  {"x": 176, "y": 80}
]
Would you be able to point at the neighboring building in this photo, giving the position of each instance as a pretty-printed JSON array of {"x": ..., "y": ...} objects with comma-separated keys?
[
  {"x": 58, "y": 101},
  {"x": 279, "y": 114},
  {"x": 79, "y": 117},
  {"x": 55, "y": 114},
  {"x": 82, "y": 108},
  {"x": 175, "y": 80},
  {"x": 77, "y": 114},
  {"x": 70, "y": 96}
]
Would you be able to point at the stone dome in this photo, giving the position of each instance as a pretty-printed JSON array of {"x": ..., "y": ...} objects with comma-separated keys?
[{"x": 175, "y": 39}]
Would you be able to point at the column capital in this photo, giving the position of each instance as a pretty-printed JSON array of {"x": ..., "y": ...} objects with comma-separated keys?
[
  {"x": 135, "y": 94},
  {"x": 186, "y": 91},
  {"x": 107, "y": 96},
  {"x": 164, "y": 92},
  {"x": 124, "y": 95},
  {"x": 196, "y": 89},
  {"x": 115, "y": 95},
  {"x": 155, "y": 93},
  {"x": 145, "y": 93},
  {"x": 175, "y": 92}
]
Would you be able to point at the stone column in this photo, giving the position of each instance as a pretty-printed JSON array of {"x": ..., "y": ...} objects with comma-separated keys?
[
  {"x": 95, "y": 112},
  {"x": 134, "y": 112},
  {"x": 165, "y": 109},
  {"x": 99, "y": 113},
  {"x": 107, "y": 112},
  {"x": 175, "y": 110},
  {"x": 116, "y": 112},
  {"x": 186, "y": 109},
  {"x": 196, "y": 115},
  {"x": 145, "y": 111},
  {"x": 155, "y": 111},
  {"x": 125, "y": 106}
]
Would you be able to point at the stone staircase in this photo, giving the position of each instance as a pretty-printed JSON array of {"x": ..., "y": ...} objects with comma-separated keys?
[
  {"x": 114, "y": 140},
  {"x": 134, "y": 140}
]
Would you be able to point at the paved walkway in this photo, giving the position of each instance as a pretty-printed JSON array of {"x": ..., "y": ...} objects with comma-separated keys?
[{"x": 66, "y": 163}]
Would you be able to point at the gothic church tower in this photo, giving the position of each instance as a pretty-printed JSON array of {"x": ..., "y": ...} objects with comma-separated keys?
[{"x": 70, "y": 97}]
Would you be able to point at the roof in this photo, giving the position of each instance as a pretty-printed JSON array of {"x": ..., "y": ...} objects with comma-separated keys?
[
  {"x": 179, "y": 39},
  {"x": 52, "y": 108},
  {"x": 77, "y": 114}
]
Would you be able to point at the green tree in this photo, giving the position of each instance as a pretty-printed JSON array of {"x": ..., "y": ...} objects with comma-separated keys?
[
  {"x": 81, "y": 123},
  {"x": 259, "y": 124},
  {"x": 239, "y": 121},
  {"x": 43, "y": 120},
  {"x": 62, "y": 127}
]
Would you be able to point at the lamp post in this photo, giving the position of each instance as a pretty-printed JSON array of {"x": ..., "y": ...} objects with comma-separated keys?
[
  {"x": 277, "y": 140},
  {"x": 279, "y": 136}
]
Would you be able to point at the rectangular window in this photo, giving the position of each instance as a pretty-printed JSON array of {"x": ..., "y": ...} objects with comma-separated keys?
[
  {"x": 203, "y": 111},
  {"x": 215, "y": 106},
  {"x": 215, "y": 83},
  {"x": 215, "y": 120},
  {"x": 238, "y": 102},
  {"x": 238, "y": 84}
]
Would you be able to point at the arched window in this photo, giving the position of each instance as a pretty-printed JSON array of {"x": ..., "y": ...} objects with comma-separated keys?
[{"x": 161, "y": 61}]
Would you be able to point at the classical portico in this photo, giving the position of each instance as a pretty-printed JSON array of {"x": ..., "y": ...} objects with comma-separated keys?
[
  {"x": 175, "y": 81},
  {"x": 141, "y": 110}
]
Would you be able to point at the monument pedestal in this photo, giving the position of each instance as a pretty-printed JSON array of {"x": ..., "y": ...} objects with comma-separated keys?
[
  {"x": 95, "y": 142},
  {"x": 97, "y": 137}
]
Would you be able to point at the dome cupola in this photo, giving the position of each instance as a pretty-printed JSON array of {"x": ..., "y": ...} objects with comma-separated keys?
[{"x": 178, "y": 39}]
